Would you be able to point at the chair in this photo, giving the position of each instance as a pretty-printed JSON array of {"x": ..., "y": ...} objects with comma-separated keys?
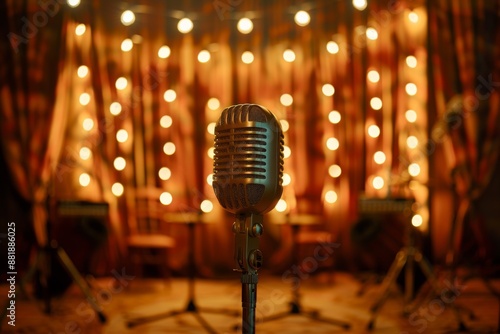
[{"x": 146, "y": 243}]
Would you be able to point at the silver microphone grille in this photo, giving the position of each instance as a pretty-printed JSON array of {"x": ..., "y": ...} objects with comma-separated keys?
[{"x": 248, "y": 158}]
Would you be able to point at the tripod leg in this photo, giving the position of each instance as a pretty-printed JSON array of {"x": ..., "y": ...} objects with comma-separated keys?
[
  {"x": 82, "y": 284},
  {"x": 387, "y": 283},
  {"x": 427, "y": 270}
]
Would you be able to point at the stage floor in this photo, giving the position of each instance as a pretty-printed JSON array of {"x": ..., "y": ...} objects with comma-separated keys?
[{"x": 335, "y": 296}]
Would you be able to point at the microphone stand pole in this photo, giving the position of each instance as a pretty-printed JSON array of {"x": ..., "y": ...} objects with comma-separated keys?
[{"x": 247, "y": 230}]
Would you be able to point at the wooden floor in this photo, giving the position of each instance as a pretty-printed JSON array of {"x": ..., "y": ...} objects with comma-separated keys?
[{"x": 334, "y": 296}]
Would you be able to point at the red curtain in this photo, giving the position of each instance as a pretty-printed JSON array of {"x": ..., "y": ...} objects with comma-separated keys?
[
  {"x": 32, "y": 128},
  {"x": 466, "y": 79}
]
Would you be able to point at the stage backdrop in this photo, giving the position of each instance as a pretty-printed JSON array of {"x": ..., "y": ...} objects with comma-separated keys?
[{"x": 127, "y": 105}]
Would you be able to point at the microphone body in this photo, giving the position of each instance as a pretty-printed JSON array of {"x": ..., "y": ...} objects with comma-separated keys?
[{"x": 247, "y": 181}]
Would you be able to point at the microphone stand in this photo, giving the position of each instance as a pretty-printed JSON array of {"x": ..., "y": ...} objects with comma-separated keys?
[{"x": 247, "y": 230}]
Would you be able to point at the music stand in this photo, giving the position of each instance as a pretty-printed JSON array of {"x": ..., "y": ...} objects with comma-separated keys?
[
  {"x": 296, "y": 308},
  {"x": 408, "y": 254},
  {"x": 190, "y": 219}
]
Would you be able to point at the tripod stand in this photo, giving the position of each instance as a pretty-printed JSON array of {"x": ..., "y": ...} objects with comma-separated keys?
[
  {"x": 408, "y": 255},
  {"x": 295, "y": 305},
  {"x": 42, "y": 264},
  {"x": 190, "y": 219}
]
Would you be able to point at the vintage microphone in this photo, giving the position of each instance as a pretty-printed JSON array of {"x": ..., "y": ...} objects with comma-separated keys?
[{"x": 247, "y": 181}]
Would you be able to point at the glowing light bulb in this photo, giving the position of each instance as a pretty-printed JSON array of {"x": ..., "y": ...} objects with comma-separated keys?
[
  {"x": 286, "y": 100},
  {"x": 332, "y": 47},
  {"x": 286, "y": 179},
  {"x": 288, "y": 55},
  {"x": 373, "y": 131},
  {"x": 169, "y": 148},
  {"x": 164, "y": 173},
  {"x": 82, "y": 71},
  {"x": 115, "y": 108},
  {"x": 211, "y": 128},
  {"x": 334, "y": 171},
  {"x": 245, "y": 25},
  {"x": 411, "y": 61},
  {"x": 85, "y": 153},
  {"x": 210, "y": 179},
  {"x": 359, "y": 4},
  {"x": 302, "y": 18},
  {"x": 203, "y": 56},
  {"x": 121, "y": 135},
  {"x": 284, "y": 125},
  {"x": 80, "y": 29},
  {"x": 185, "y": 25},
  {"x": 411, "y": 115},
  {"x": 331, "y": 196},
  {"x": 411, "y": 89},
  {"x": 417, "y": 220},
  {"x": 328, "y": 90},
  {"x": 334, "y": 117},
  {"x": 413, "y": 17},
  {"x": 371, "y": 34},
  {"x": 127, "y": 18},
  {"x": 166, "y": 121},
  {"x": 376, "y": 103},
  {"x": 412, "y": 142},
  {"x": 117, "y": 189},
  {"x": 213, "y": 103},
  {"x": 84, "y": 179},
  {"x": 88, "y": 124},
  {"x": 170, "y": 95},
  {"x": 379, "y": 157},
  {"x": 210, "y": 152},
  {"x": 206, "y": 206},
  {"x": 127, "y": 45},
  {"x": 378, "y": 182},
  {"x": 164, "y": 52},
  {"x": 281, "y": 205},
  {"x": 373, "y": 76},
  {"x": 166, "y": 198},
  {"x": 332, "y": 144},
  {"x": 414, "y": 169},
  {"x": 247, "y": 57},
  {"x": 119, "y": 163},
  {"x": 73, "y": 3},
  {"x": 84, "y": 99},
  {"x": 287, "y": 152},
  {"x": 121, "y": 83}
]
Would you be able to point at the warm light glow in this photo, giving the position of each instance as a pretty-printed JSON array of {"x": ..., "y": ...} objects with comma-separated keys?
[
  {"x": 210, "y": 152},
  {"x": 413, "y": 17},
  {"x": 373, "y": 131},
  {"x": 84, "y": 179},
  {"x": 166, "y": 121},
  {"x": 378, "y": 182},
  {"x": 286, "y": 100},
  {"x": 164, "y": 173},
  {"x": 371, "y": 34},
  {"x": 359, "y": 4},
  {"x": 281, "y": 205},
  {"x": 210, "y": 179},
  {"x": 373, "y": 76},
  {"x": 334, "y": 171},
  {"x": 288, "y": 55},
  {"x": 332, "y": 47},
  {"x": 203, "y": 56},
  {"x": 213, "y": 103},
  {"x": 247, "y": 57},
  {"x": 84, "y": 99},
  {"x": 334, "y": 117},
  {"x": 115, "y": 108},
  {"x": 328, "y": 90},
  {"x": 287, "y": 152},
  {"x": 121, "y": 135},
  {"x": 80, "y": 29},
  {"x": 412, "y": 142},
  {"x": 166, "y": 198},
  {"x": 302, "y": 18},
  {"x": 411, "y": 89},
  {"x": 414, "y": 169},
  {"x": 121, "y": 83},
  {"x": 332, "y": 143},
  {"x": 88, "y": 124},
  {"x": 82, "y": 71},
  {"x": 85, "y": 153},
  {"x": 245, "y": 25},
  {"x": 127, "y": 17},
  {"x": 169, "y": 148},
  {"x": 185, "y": 25},
  {"x": 117, "y": 189},
  {"x": 73, "y": 3},
  {"x": 164, "y": 52},
  {"x": 379, "y": 157},
  {"x": 119, "y": 163},
  {"x": 331, "y": 196},
  {"x": 376, "y": 103},
  {"x": 211, "y": 128},
  {"x": 127, "y": 45},
  {"x": 411, "y": 61},
  {"x": 284, "y": 125},
  {"x": 286, "y": 179},
  {"x": 411, "y": 115},
  {"x": 206, "y": 206},
  {"x": 170, "y": 95},
  {"x": 417, "y": 220}
]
